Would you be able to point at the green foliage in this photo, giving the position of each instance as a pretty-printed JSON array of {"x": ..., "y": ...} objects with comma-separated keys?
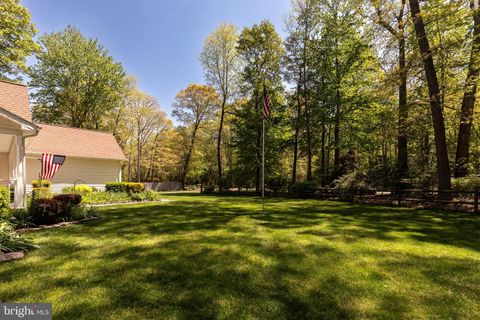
[
  {"x": 62, "y": 207},
  {"x": 41, "y": 193},
  {"x": 306, "y": 187},
  {"x": 134, "y": 187},
  {"x": 470, "y": 183},
  {"x": 17, "y": 38},
  {"x": 4, "y": 199},
  {"x": 352, "y": 184},
  {"x": 10, "y": 241},
  {"x": 150, "y": 195},
  {"x": 81, "y": 189},
  {"x": 75, "y": 81},
  {"x": 41, "y": 183},
  {"x": 106, "y": 197},
  {"x": 20, "y": 218}
]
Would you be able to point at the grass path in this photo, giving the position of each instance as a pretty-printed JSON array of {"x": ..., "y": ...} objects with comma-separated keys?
[{"x": 206, "y": 257}]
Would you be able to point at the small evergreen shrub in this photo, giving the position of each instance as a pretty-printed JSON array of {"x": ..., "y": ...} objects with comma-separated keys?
[
  {"x": 352, "y": 184},
  {"x": 116, "y": 187},
  {"x": 135, "y": 187},
  {"x": 41, "y": 193},
  {"x": 41, "y": 183},
  {"x": 81, "y": 189}
]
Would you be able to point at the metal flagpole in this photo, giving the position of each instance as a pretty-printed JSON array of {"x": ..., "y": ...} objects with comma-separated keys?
[{"x": 263, "y": 165}]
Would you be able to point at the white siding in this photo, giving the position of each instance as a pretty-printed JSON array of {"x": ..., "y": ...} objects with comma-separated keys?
[{"x": 95, "y": 172}]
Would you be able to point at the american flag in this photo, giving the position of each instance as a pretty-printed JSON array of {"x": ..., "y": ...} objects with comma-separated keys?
[
  {"x": 50, "y": 165},
  {"x": 266, "y": 104}
]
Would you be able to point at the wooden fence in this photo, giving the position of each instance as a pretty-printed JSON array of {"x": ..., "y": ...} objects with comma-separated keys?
[{"x": 451, "y": 200}]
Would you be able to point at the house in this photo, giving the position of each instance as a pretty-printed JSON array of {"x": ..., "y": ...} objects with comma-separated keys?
[{"x": 92, "y": 157}]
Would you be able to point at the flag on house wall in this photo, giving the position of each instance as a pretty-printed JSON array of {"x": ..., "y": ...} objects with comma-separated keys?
[
  {"x": 50, "y": 165},
  {"x": 266, "y": 104}
]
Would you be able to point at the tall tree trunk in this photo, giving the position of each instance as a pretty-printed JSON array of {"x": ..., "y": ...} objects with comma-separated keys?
[
  {"x": 307, "y": 108},
  {"x": 322, "y": 155},
  {"x": 219, "y": 145},
  {"x": 336, "y": 133},
  {"x": 402, "y": 152},
  {"x": 443, "y": 166},
  {"x": 295, "y": 136},
  {"x": 139, "y": 159},
  {"x": 187, "y": 158},
  {"x": 468, "y": 102}
]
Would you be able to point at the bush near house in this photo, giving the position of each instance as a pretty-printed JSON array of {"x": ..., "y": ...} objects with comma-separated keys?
[
  {"x": 41, "y": 183},
  {"x": 135, "y": 187},
  {"x": 63, "y": 207},
  {"x": 42, "y": 193},
  {"x": 81, "y": 189},
  {"x": 4, "y": 199}
]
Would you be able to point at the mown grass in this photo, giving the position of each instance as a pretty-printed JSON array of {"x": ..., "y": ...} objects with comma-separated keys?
[{"x": 205, "y": 257}]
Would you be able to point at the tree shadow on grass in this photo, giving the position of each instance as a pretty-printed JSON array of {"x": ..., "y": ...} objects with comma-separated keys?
[{"x": 224, "y": 258}]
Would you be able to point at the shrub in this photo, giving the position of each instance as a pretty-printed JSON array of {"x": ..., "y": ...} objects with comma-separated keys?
[
  {"x": 304, "y": 187},
  {"x": 351, "y": 184},
  {"x": 11, "y": 241},
  {"x": 471, "y": 183},
  {"x": 4, "y": 199},
  {"x": 46, "y": 211},
  {"x": 41, "y": 193},
  {"x": 277, "y": 183},
  {"x": 20, "y": 218},
  {"x": 81, "y": 189},
  {"x": 137, "y": 197},
  {"x": 135, "y": 187},
  {"x": 149, "y": 195},
  {"x": 41, "y": 183},
  {"x": 69, "y": 199}
]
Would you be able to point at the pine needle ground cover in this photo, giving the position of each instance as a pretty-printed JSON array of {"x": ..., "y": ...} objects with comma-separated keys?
[{"x": 220, "y": 257}]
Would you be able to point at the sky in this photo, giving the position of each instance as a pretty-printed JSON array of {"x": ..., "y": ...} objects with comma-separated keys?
[{"x": 157, "y": 41}]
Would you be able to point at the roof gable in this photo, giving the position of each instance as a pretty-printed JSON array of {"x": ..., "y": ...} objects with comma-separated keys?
[
  {"x": 74, "y": 142},
  {"x": 14, "y": 98}
]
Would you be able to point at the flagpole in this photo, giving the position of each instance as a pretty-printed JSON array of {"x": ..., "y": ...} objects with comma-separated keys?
[{"x": 263, "y": 165}]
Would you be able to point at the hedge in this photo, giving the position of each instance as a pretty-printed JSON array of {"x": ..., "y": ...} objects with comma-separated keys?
[
  {"x": 41, "y": 183},
  {"x": 81, "y": 189},
  {"x": 134, "y": 187}
]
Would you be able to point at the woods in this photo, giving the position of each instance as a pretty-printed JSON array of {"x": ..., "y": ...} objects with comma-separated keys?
[{"x": 383, "y": 90}]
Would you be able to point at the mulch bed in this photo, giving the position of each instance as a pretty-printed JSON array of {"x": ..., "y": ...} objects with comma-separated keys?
[{"x": 56, "y": 225}]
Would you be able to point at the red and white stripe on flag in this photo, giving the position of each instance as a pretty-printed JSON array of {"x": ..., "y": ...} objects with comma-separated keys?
[
  {"x": 266, "y": 104},
  {"x": 50, "y": 165}
]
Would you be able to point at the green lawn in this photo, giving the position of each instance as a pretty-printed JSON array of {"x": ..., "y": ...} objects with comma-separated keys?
[{"x": 201, "y": 257}]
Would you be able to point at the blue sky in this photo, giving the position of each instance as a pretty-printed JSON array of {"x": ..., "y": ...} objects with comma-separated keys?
[{"x": 157, "y": 41}]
